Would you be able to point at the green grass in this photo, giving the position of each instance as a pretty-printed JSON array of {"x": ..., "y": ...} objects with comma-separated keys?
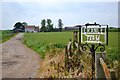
[
  {"x": 5, "y": 35},
  {"x": 42, "y": 42},
  {"x": 112, "y": 48}
]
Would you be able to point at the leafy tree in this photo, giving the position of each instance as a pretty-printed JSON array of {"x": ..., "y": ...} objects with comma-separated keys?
[
  {"x": 49, "y": 25},
  {"x": 43, "y": 25},
  {"x": 60, "y": 24},
  {"x": 24, "y": 24},
  {"x": 18, "y": 27}
]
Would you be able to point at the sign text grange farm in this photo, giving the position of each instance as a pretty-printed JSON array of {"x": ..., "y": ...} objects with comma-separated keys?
[{"x": 94, "y": 34}]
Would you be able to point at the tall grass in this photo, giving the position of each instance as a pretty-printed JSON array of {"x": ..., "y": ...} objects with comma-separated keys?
[
  {"x": 6, "y": 35},
  {"x": 112, "y": 48},
  {"x": 42, "y": 42}
]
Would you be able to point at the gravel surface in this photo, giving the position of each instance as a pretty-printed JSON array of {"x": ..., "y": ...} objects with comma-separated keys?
[{"x": 18, "y": 61}]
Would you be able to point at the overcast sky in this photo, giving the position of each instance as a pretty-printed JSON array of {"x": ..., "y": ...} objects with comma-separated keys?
[{"x": 71, "y": 13}]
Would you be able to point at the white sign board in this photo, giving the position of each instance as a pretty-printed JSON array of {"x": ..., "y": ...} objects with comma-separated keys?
[{"x": 93, "y": 34}]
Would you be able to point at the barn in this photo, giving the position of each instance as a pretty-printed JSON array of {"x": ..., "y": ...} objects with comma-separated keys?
[{"x": 31, "y": 28}]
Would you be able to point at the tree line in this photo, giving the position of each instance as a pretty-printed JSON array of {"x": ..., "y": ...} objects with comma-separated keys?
[
  {"x": 47, "y": 25},
  {"x": 113, "y": 29}
]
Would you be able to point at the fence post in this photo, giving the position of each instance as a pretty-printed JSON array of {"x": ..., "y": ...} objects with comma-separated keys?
[
  {"x": 106, "y": 70},
  {"x": 68, "y": 54},
  {"x": 99, "y": 73},
  {"x": 69, "y": 48},
  {"x": 75, "y": 39}
]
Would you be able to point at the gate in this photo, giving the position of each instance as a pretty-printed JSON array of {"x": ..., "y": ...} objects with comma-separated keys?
[{"x": 92, "y": 38}]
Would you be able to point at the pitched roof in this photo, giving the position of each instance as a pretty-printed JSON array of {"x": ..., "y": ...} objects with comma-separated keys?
[{"x": 30, "y": 26}]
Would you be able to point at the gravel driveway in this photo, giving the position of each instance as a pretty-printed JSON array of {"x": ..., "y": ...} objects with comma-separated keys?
[{"x": 18, "y": 61}]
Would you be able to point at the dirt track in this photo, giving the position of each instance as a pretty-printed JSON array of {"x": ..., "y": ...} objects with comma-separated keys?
[{"x": 18, "y": 61}]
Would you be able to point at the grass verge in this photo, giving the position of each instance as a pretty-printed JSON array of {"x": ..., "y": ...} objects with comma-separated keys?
[{"x": 6, "y": 35}]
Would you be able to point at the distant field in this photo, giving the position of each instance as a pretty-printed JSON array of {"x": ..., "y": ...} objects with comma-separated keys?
[
  {"x": 5, "y": 35},
  {"x": 48, "y": 38},
  {"x": 41, "y": 42},
  {"x": 112, "y": 48}
]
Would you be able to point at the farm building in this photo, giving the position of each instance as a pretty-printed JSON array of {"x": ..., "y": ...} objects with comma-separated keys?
[
  {"x": 71, "y": 28},
  {"x": 23, "y": 27},
  {"x": 31, "y": 28}
]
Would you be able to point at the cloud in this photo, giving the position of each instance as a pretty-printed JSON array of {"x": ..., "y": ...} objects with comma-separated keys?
[
  {"x": 1, "y": 16},
  {"x": 70, "y": 12},
  {"x": 60, "y": 0}
]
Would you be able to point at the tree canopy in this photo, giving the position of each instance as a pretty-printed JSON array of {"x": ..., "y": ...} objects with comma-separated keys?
[
  {"x": 49, "y": 25},
  {"x": 19, "y": 27},
  {"x": 43, "y": 25},
  {"x": 46, "y": 25},
  {"x": 60, "y": 24},
  {"x": 24, "y": 23}
]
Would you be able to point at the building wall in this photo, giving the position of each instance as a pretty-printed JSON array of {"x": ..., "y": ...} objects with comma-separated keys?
[{"x": 29, "y": 28}]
